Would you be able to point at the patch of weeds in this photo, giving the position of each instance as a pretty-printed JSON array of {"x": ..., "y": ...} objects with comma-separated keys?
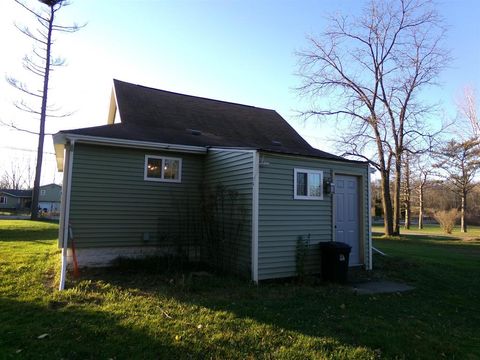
[
  {"x": 395, "y": 267},
  {"x": 169, "y": 264}
]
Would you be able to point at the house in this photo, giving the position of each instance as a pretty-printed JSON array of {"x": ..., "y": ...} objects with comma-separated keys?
[
  {"x": 49, "y": 198},
  {"x": 232, "y": 184},
  {"x": 11, "y": 199},
  {"x": 48, "y": 201}
]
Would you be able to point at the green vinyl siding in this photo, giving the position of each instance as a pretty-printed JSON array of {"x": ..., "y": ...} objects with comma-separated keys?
[
  {"x": 53, "y": 193},
  {"x": 11, "y": 202},
  {"x": 282, "y": 219},
  {"x": 233, "y": 171},
  {"x": 112, "y": 205}
]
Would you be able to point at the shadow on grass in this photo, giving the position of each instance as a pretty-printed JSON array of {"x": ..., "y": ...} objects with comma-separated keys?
[
  {"x": 75, "y": 333},
  {"x": 402, "y": 325},
  {"x": 27, "y": 235}
]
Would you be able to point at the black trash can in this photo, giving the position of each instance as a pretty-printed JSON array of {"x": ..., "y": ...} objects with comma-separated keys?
[{"x": 334, "y": 256}]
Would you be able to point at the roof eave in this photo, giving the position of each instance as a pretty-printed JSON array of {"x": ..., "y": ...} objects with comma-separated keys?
[
  {"x": 339, "y": 159},
  {"x": 13, "y": 195},
  {"x": 59, "y": 142},
  {"x": 62, "y": 138}
]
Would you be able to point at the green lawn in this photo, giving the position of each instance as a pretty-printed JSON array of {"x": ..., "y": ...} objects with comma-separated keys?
[
  {"x": 132, "y": 313},
  {"x": 433, "y": 229}
]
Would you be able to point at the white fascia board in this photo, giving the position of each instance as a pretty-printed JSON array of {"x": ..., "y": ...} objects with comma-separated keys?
[
  {"x": 59, "y": 142},
  {"x": 113, "y": 107},
  {"x": 136, "y": 144}
]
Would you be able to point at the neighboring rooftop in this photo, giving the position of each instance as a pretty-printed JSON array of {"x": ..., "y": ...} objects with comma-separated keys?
[
  {"x": 17, "y": 193},
  {"x": 154, "y": 115}
]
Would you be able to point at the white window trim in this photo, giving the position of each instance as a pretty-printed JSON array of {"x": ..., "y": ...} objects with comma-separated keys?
[
  {"x": 307, "y": 197},
  {"x": 43, "y": 192},
  {"x": 163, "y": 158},
  {"x": 4, "y": 200}
]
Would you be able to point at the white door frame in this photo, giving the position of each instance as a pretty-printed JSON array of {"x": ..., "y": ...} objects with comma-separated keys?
[{"x": 361, "y": 213}]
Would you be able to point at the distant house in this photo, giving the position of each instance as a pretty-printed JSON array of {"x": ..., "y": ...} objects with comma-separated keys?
[
  {"x": 231, "y": 184},
  {"x": 49, "y": 198},
  {"x": 11, "y": 199}
]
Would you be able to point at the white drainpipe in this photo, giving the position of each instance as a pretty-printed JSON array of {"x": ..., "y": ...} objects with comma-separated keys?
[
  {"x": 65, "y": 214},
  {"x": 255, "y": 189}
]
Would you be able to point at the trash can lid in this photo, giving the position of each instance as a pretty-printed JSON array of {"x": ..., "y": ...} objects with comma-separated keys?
[{"x": 335, "y": 245}]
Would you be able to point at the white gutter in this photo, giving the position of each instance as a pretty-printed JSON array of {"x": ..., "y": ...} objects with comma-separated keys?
[
  {"x": 60, "y": 139},
  {"x": 369, "y": 207},
  {"x": 135, "y": 143},
  {"x": 255, "y": 191},
  {"x": 65, "y": 212}
]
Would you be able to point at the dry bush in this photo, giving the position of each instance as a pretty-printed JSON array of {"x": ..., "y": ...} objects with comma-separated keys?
[{"x": 446, "y": 219}]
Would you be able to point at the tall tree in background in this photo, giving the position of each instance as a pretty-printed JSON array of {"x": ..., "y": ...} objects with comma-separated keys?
[
  {"x": 371, "y": 70},
  {"x": 459, "y": 162},
  {"x": 467, "y": 107},
  {"x": 421, "y": 170},
  {"x": 407, "y": 191},
  {"x": 40, "y": 63}
]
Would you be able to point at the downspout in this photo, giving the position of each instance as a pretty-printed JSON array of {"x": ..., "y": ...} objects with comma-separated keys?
[
  {"x": 65, "y": 213},
  {"x": 369, "y": 213},
  {"x": 255, "y": 190}
]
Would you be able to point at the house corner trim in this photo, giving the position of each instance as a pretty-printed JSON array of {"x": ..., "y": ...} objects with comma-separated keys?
[
  {"x": 255, "y": 200},
  {"x": 65, "y": 211},
  {"x": 369, "y": 214}
]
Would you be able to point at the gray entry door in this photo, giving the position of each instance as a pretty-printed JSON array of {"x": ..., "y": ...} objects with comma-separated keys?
[{"x": 347, "y": 219}]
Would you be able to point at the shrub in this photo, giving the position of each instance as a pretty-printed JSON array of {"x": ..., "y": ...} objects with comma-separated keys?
[
  {"x": 301, "y": 256},
  {"x": 446, "y": 219}
]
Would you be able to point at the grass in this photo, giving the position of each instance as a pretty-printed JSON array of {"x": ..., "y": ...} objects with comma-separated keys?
[
  {"x": 131, "y": 312},
  {"x": 434, "y": 229}
]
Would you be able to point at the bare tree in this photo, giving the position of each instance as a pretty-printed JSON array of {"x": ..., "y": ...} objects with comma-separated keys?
[
  {"x": 372, "y": 69},
  {"x": 459, "y": 162},
  {"x": 17, "y": 176},
  {"x": 40, "y": 63},
  {"x": 422, "y": 171},
  {"x": 467, "y": 106}
]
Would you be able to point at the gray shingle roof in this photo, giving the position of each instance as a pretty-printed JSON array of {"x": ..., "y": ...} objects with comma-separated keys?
[
  {"x": 17, "y": 193},
  {"x": 154, "y": 115}
]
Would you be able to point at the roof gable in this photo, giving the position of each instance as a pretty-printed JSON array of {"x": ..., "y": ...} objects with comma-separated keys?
[
  {"x": 222, "y": 123},
  {"x": 158, "y": 116}
]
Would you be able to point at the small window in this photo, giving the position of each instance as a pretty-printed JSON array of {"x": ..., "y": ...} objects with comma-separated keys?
[
  {"x": 43, "y": 192},
  {"x": 3, "y": 199},
  {"x": 159, "y": 168},
  {"x": 308, "y": 184}
]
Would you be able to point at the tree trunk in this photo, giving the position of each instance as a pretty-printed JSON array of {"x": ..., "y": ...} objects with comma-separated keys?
[
  {"x": 396, "y": 198},
  {"x": 408, "y": 193},
  {"x": 43, "y": 116},
  {"x": 387, "y": 204},
  {"x": 420, "y": 208},
  {"x": 407, "y": 215},
  {"x": 463, "y": 224}
]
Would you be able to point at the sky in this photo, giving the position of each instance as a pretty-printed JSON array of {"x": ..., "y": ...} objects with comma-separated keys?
[{"x": 239, "y": 51}]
